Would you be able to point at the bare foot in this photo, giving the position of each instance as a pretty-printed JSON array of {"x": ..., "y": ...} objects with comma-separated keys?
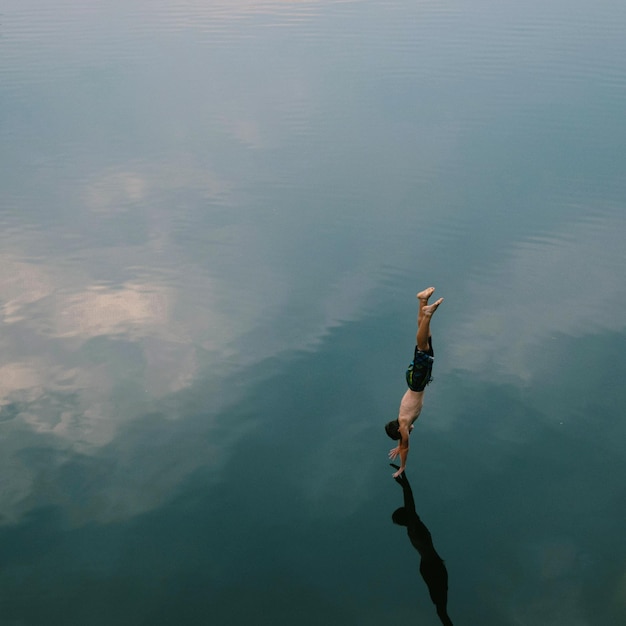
[
  {"x": 424, "y": 295},
  {"x": 431, "y": 308}
]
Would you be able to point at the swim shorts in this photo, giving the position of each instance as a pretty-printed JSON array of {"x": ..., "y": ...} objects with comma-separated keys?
[{"x": 418, "y": 375}]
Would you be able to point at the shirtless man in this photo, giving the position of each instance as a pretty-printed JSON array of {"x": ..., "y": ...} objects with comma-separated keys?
[{"x": 417, "y": 377}]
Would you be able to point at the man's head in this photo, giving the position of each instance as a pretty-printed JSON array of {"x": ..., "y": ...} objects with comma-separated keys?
[{"x": 393, "y": 430}]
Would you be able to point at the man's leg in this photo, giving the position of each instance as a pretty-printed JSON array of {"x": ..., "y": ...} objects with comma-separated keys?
[
  {"x": 422, "y": 298},
  {"x": 423, "y": 331}
]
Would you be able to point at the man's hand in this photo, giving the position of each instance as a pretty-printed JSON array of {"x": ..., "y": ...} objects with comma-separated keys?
[
  {"x": 402, "y": 450},
  {"x": 400, "y": 478},
  {"x": 399, "y": 475},
  {"x": 393, "y": 453}
]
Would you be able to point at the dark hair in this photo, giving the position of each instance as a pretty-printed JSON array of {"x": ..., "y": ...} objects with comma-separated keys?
[
  {"x": 393, "y": 430},
  {"x": 400, "y": 517}
]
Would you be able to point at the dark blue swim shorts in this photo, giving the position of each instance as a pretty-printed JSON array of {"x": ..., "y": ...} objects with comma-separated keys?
[{"x": 418, "y": 375}]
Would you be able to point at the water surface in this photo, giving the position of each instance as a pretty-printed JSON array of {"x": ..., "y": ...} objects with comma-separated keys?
[{"x": 214, "y": 218}]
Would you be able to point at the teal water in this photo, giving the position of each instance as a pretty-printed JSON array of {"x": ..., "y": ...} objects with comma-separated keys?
[{"x": 214, "y": 217}]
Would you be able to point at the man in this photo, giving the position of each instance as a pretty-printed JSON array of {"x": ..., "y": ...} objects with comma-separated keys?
[{"x": 417, "y": 377}]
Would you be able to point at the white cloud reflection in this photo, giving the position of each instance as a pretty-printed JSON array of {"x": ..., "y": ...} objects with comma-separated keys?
[
  {"x": 100, "y": 333},
  {"x": 132, "y": 308}
]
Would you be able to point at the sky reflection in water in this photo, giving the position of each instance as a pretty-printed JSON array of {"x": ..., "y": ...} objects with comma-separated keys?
[{"x": 214, "y": 218}]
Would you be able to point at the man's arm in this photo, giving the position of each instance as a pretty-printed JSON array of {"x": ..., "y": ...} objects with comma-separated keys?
[{"x": 402, "y": 449}]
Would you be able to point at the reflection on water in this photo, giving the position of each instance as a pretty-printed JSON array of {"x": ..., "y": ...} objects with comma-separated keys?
[
  {"x": 210, "y": 215},
  {"x": 432, "y": 567}
]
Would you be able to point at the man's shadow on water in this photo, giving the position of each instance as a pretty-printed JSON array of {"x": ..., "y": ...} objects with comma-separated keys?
[{"x": 432, "y": 567}]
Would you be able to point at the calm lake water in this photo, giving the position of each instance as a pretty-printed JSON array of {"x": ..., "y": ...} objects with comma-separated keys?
[{"x": 215, "y": 215}]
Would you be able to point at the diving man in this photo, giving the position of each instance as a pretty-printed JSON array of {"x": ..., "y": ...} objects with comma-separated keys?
[{"x": 418, "y": 375}]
